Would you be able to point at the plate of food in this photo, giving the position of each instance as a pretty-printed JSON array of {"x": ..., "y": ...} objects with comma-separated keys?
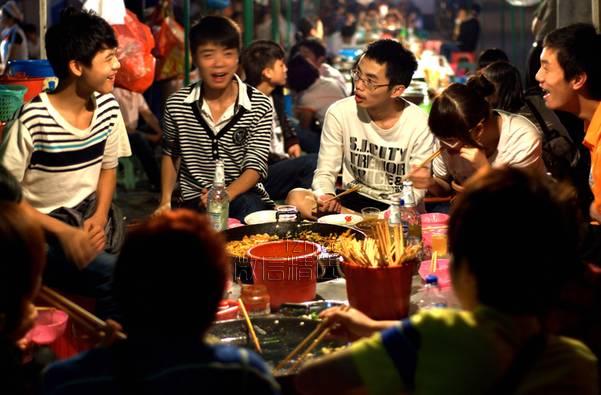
[
  {"x": 341, "y": 219},
  {"x": 260, "y": 217}
]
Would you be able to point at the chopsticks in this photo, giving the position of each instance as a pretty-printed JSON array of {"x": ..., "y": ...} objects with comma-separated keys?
[
  {"x": 316, "y": 336},
  {"x": 249, "y": 324},
  {"x": 352, "y": 189},
  {"x": 423, "y": 164},
  {"x": 76, "y": 312}
]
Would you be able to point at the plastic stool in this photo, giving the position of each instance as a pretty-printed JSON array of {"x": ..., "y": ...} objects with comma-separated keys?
[{"x": 128, "y": 177}]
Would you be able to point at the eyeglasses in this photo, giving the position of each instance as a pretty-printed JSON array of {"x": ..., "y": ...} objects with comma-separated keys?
[
  {"x": 451, "y": 144},
  {"x": 356, "y": 76},
  {"x": 454, "y": 144}
]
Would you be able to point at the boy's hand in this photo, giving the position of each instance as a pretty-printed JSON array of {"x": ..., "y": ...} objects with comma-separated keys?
[
  {"x": 78, "y": 246},
  {"x": 350, "y": 325},
  {"x": 421, "y": 177},
  {"x": 94, "y": 227},
  {"x": 327, "y": 207},
  {"x": 162, "y": 207},
  {"x": 29, "y": 316},
  {"x": 204, "y": 197},
  {"x": 475, "y": 156},
  {"x": 294, "y": 151}
]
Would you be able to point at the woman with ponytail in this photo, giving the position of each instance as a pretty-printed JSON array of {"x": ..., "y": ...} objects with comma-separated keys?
[{"x": 473, "y": 136}]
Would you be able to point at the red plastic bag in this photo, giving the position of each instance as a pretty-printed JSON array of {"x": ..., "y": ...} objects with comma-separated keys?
[
  {"x": 170, "y": 50},
  {"x": 134, "y": 53}
]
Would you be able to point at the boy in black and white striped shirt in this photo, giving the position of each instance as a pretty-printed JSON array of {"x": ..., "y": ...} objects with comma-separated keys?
[{"x": 219, "y": 117}]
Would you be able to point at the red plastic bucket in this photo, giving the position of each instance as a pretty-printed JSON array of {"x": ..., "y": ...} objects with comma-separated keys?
[
  {"x": 382, "y": 293},
  {"x": 288, "y": 268}
]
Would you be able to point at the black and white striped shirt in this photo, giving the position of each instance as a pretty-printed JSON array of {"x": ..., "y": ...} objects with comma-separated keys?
[
  {"x": 57, "y": 164},
  {"x": 243, "y": 143}
]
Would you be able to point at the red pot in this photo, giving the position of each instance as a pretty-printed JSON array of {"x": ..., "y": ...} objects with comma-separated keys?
[
  {"x": 288, "y": 268},
  {"x": 380, "y": 292}
]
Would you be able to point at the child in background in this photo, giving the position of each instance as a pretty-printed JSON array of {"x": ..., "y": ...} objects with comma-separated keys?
[
  {"x": 132, "y": 106},
  {"x": 264, "y": 66}
]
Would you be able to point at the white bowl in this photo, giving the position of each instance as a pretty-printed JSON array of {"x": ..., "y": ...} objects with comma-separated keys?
[
  {"x": 341, "y": 219},
  {"x": 260, "y": 217}
]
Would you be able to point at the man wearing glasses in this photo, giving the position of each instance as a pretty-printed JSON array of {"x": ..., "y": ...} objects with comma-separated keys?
[{"x": 375, "y": 137}]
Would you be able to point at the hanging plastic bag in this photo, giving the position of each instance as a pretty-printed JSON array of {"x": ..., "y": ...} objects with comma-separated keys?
[
  {"x": 170, "y": 49},
  {"x": 134, "y": 53}
]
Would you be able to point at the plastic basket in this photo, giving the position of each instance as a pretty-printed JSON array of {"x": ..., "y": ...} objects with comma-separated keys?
[
  {"x": 33, "y": 85},
  {"x": 11, "y": 99}
]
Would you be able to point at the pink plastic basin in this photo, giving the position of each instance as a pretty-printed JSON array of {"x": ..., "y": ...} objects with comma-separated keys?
[
  {"x": 288, "y": 268},
  {"x": 49, "y": 326}
]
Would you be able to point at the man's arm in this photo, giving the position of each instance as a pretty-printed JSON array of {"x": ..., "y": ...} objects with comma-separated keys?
[
  {"x": 257, "y": 152},
  {"x": 169, "y": 161},
  {"x": 247, "y": 180},
  {"x": 332, "y": 374},
  {"x": 94, "y": 225},
  {"x": 168, "y": 179},
  {"x": 107, "y": 181},
  {"x": 331, "y": 150}
]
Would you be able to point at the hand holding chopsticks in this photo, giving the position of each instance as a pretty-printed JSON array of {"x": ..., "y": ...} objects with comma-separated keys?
[{"x": 423, "y": 164}]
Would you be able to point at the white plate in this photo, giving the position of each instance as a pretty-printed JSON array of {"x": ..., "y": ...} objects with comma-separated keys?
[
  {"x": 260, "y": 217},
  {"x": 341, "y": 219}
]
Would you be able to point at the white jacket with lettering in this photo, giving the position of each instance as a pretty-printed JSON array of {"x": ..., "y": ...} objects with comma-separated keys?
[{"x": 376, "y": 158}]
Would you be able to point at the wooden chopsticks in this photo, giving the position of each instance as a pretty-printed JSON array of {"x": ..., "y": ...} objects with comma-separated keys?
[
  {"x": 249, "y": 324},
  {"x": 423, "y": 164},
  {"x": 316, "y": 336},
  {"x": 352, "y": 189},
  {"x": 76, "y": 312}
]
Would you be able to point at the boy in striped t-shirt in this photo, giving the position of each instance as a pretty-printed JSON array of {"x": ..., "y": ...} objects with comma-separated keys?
[
  {"x": 218, "y": 117},
  {"x": 63, "y": 147}
]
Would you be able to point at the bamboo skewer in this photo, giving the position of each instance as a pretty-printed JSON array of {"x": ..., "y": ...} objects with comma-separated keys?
[
  {"x": 385, "y": 248},
  {"x": 423, "y": 164},
  {"x": 76, "y": 312},
  {"x": 434, "y": 262},
  {"x": 300, "y": 346},
  {"x": 318, "y": 333},
  {"x": 249, "y": 324},
  {"x": 315, "y": 343}
]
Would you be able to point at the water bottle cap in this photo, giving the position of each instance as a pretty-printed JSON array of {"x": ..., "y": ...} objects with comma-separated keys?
[{"x": 431, "y": 279}]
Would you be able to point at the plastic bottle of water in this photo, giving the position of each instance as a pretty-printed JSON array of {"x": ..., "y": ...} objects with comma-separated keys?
[
  {"x": 430, "y": 295},
  {"x": 218, "y": 204},
  {"x": 412, "y": 223}
]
